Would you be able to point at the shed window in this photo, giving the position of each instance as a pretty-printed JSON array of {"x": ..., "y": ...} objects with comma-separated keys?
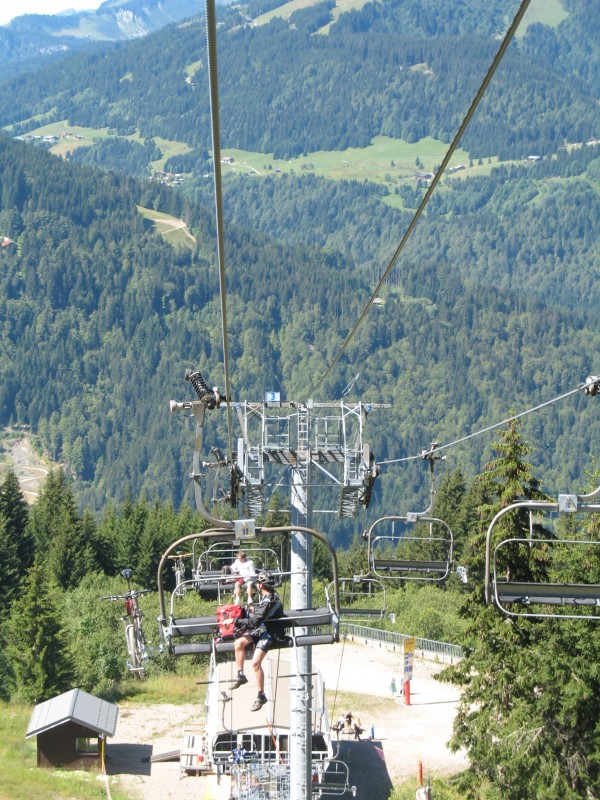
[{"x": 87, "y": 746}]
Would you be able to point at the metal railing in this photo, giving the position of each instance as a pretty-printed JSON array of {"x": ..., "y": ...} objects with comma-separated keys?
[{"x": 373, "y": 635}]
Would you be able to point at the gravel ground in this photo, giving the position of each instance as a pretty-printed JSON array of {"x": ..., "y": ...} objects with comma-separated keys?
[{"x": 404, "y": 734}]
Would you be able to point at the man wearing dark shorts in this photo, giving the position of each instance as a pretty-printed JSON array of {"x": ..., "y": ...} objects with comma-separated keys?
[{"x": 262, "y": 628}]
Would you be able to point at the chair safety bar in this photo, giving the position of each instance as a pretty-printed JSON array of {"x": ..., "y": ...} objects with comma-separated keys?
[{"x": 417, "y": 569}]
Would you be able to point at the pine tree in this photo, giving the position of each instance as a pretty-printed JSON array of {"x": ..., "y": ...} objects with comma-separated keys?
[
  {"x": 36, "y": 646},
  {"x": 449, "y": 507},
  {"x": 16, "y": 512},
  {"x": 500, "y": 719},
  {"x": 9, "y": 568},
  {"x": 59, "y": 533}
]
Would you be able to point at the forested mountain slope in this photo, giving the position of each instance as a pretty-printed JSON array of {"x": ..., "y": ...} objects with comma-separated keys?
[
  {"x": 287, "y": 92},
  {"x": 530, "y": 228},
  {"x": 100, "y": 318}
]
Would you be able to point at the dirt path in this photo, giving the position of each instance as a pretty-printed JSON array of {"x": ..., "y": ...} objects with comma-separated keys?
[
  {"x": 403, "y": 734},
  {"x": 28, "y": 467}
]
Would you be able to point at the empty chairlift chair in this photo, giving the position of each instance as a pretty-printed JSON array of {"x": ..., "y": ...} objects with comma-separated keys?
[
  {"x": 539, "y": 598},
  {"x": 361, "y": 597},
  {"x": 411, "y": 557}
]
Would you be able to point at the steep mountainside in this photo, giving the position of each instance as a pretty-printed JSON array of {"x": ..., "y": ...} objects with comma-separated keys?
[
  {"x": 100, "y": 319},
  {"x": 286, "y": 91},
  {"x": 490, "y": 308}
]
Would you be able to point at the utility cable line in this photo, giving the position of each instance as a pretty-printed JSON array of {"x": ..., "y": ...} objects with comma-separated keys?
[
  {"x": 436, "y": 179},
  {"x": 485, "y": 430}
]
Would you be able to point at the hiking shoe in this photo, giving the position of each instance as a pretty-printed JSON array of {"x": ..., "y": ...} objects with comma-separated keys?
[
  {"x": 258, "y": 703},
  {"x": 239, "y": 681}
]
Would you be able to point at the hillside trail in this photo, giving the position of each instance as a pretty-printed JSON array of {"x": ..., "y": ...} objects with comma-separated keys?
[
  {"x": 28, "y": 466},
  {"x": 404, "y": 735}
]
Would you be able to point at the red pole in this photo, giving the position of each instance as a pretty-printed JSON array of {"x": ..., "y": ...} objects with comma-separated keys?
[
  {"x": 420, "y": 774},
  {"x": 406, "y": 693}
]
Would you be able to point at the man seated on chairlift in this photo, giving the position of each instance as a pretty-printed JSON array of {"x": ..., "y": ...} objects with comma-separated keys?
[
  {"x": 262, "y": 628},
  {"x": 243, "y": 569}
]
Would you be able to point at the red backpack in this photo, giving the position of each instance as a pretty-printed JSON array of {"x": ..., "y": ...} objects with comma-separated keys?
[{"x": 227, "y": 616}]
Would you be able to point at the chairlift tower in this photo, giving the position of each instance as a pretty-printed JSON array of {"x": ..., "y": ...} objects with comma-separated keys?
[
  {"x": 321, "y": 444},
  {"x": 318, "y": 444}
]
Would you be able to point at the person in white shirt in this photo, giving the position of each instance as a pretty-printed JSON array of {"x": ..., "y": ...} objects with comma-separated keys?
[{"x": 243, "y": 569}]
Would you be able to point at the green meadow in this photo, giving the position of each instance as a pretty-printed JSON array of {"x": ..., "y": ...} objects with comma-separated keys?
[{"x": 385, "y": 160}]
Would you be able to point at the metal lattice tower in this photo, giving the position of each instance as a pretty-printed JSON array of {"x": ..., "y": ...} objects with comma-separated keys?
[
  {"x": 320, "y": 445},
  {"x": 323, "y": 439}
]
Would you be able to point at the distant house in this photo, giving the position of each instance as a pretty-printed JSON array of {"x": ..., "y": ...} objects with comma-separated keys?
[
  {"x": 70, "y": 728},
  {"x": 5, "y": 242},
  {"x": 227, "y": 160}
]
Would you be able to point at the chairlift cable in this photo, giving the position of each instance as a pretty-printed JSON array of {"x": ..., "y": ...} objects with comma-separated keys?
[
  {"x": 339, "y": 674},
  {"x": 436, "y": 179},
  {"x": 485, "y": 430},
  {"x": 211, "y": 44}
]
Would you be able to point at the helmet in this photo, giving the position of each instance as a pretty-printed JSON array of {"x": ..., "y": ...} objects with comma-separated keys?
[{"x": 266, "y": 579}]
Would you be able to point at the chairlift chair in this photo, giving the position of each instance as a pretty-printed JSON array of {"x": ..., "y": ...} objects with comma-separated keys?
[
  {"x": 435, "y": 563},
  {"x": 196, "y": 635},
  {"x": 353, "y": 594},
  {"x": 518, "y": 598},
  {"x": 211, "y": 581}
]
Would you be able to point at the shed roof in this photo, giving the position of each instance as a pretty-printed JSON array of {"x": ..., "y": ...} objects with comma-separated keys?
[{"x": 74, "y": 706}]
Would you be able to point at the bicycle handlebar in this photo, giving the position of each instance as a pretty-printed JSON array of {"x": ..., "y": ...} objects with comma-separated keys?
[{"x": 132, "y": 593}]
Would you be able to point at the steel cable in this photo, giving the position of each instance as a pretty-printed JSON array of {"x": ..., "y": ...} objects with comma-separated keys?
[{"x": 480, "y": 92}]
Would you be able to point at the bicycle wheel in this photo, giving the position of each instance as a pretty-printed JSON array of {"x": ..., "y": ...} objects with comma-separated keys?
[{"x": 135, "y": 661}]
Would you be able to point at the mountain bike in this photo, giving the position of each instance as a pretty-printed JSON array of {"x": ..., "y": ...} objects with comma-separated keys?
[{"x": 132, "y": 619}]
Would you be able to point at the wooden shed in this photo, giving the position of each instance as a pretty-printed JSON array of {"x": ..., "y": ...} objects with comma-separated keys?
[{"x": 70, "y": 729}]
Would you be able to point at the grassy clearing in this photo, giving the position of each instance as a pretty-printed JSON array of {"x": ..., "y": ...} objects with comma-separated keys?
[
  {"x": 193, "y": 68},
  {"x": 74, "y": 136},
  {"x": 173, "y": 230},
  {"x": 168, "y": 148},
  {"x": 549, "y": 12},
  {"x": 22, "y": 779},
  {"x": 286, "y": 10},
  {"x": 385, "y": 160}
]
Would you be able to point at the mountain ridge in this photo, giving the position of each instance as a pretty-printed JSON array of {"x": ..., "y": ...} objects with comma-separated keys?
[{"x": 33, "y": 41}]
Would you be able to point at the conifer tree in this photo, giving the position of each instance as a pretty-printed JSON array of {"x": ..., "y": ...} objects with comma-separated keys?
[
  {"x": 9, "y": 568},
  {"x": 498, "y": 717},
  {"x": 60, "y": 536},
  {"x": 16, "y": 512},
  {"x": 36, "y": 646}
]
